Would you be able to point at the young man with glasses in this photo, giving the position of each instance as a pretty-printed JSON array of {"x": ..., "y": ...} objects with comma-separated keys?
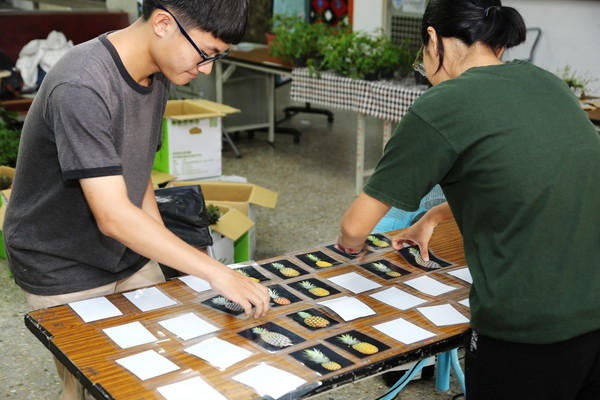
[{"x": 83, "y": 221}]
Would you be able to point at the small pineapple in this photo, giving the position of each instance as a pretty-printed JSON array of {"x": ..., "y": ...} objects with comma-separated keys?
[
  {"x": 272, "y": 338},
  {"x": 378, "y": 242},
  {"x": 361, "y": 347},
  {"x": 314, "y": 321},
  {"x": 427, "y": 264},
  {"x": 230, "y": 305},
  {"x": 385, "y": 269},
  {"x": 278, "y": 299},
  {"x": 317, "y": 291},
  {"x": 318, "y": 261},
  {"x": 317, "y": 356},
  {"x": 214, "y": 213},
  {"x": 285, "y": 271},
  {"x": 241, "y": 271}
]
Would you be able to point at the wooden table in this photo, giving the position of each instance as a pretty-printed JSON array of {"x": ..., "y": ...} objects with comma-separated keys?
[{"x": 89, "y": 354}]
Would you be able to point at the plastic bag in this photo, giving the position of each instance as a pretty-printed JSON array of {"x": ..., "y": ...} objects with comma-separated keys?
[{"x": 184, "y": 213}]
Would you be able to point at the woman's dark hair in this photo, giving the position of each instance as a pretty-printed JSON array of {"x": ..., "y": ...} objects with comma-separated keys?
[
  {"x": 486, "y": 21},
  {"x": 224, "y": 19}
]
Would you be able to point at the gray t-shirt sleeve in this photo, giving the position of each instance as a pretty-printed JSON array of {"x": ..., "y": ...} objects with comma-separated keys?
[{"x": 78, "y": 116}]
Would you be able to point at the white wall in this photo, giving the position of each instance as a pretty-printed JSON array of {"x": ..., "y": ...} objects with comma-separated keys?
[
  {"x": 368, "y": 15},
  {"x": 570, "y": 35}
]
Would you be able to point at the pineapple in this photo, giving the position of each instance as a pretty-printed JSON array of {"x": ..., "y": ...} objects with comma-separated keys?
[
  {"x": 314, "y": 321},
  {"x": 317, "y": 291},
  {"x": 241, "y": 271},
  {"x": 318, "y": 261},
  {"x": 427, "y": 264},
  {"x": 378, "y": 242},
  {"x": 272, "y": 338},
  {"x": 361, "y": 347},
  {"x": 317, "y": 356},
  {"x": 285, "y": 271},
  {"x": 385, "y": 269},
  {"x": 230, "y": 305},
  {"x": 278, "y": 299}
]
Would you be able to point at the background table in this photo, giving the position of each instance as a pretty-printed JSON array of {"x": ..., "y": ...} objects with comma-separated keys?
[
  {"x": 90, "y": 354},
  {"x": 387, "y": 100}
]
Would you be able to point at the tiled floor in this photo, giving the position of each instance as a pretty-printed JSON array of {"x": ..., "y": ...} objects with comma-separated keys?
[{"x": 315, "y": 183}]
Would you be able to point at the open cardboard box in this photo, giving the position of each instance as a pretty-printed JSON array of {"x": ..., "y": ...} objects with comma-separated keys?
[
  {"x": 191, "y": 146},
  {"x": 242, "y": 197},
  {"x": 160, "y": 179}
]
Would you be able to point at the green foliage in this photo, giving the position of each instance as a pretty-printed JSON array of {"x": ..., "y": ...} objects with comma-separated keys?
[
  {"x": 576, "y": 81},
  {"x": 10, "y": 134},
  {"x": 214, "y": 213}
]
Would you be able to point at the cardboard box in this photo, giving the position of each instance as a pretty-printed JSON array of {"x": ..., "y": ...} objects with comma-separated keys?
[
  {"x": 242, "y": 197},
  {"x": 4, "y": 197},
  {"x": 191, "y": 146},
  {"x": 160, "y": 179}
]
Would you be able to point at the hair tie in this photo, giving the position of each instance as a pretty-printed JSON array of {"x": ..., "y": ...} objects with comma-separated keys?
[{"x": 487, "y": 10}]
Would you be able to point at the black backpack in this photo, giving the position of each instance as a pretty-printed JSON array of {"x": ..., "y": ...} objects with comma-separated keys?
[{"x": 11, "y": 85}]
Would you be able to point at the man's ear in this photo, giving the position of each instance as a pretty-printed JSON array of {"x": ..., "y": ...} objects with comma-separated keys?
[{"x": 161, "y": 22}]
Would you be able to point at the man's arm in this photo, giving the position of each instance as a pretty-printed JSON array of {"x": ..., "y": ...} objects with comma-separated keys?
[
  {"x": 149, "y": 204},
  {"x": 140, "y": 230}
]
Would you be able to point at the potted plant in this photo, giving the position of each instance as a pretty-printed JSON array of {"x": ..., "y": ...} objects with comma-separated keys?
[
  {"x": 577, "y": 82},
  {"x": 10, "y": 134}
]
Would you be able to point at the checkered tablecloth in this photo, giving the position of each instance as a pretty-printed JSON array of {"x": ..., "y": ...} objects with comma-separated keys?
[{"x": 388, "y": 100}]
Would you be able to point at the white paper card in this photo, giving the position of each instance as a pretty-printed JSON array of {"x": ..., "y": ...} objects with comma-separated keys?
[
  {"x": 218, "y": 352},
  {"x": 403, "y": 331},
  {"x": 149, "y": 299},
  {"x": 398, "y": 298},
  {"x": 463, "y": 274},
  {"x": 148, "y": 364},
  {"x": 191, "y": 389},
  {"x": 188, "y": 326},
  {"x": 465, "y": 303},
  {"x": 95, "y": 309},
  {"x": 348, "y": 308},
  {"x": 429, "y": 286},
  {"x": 443, "y": 315},
  {"x": 129, "y": 335},
  {"x": 354, "y": 282},
  {"x": 199, "y": 285},
  {"x": 268, "y": 380}
]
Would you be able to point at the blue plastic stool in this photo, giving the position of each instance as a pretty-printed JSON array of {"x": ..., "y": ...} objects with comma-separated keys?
[{"x": 445, "y": 362}]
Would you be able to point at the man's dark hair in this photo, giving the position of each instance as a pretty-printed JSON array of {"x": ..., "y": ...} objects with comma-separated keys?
[
  {"x": 486, "y": 21},
  {"x": 224, "y": 19}
]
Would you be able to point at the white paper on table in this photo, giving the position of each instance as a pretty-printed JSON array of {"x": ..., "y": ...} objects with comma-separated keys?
[
  {"x": 443, "y": 315},
  {"x": 403, "y": 331},
  {"x": 129, "y": 335},
  {"x": 218, "y": 352},
  {"x": 191, "y": 389},
  {"x": 429, "y": 286},
  {"x": 94, "y": 309},
  {"x": 188, "y": 326},
  {"x": 348, "y": 308},
  {"x": 463, "y": 274},
  {"x": 199, "y": 285},
  {"x": 149, "y": 299},
  {"x": 398, "y": 298},
  {"x": 268, "y": 380},
  {"x": 148, "y": 364},
  {"x": 465, "y": 303},
  {"x": 354, "y": 282}
]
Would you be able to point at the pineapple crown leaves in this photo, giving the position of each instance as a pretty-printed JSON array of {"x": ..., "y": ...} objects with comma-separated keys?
[
  {"x": 258, "y": 330},
  {"x": 380, "y": 266},
  {"x": 316, "y": 355},
  {"x": 273, "y": 293},
  {"x": 307, "y": 285},
  {"x": 304, "y": 314},
  {"x": 347, "y": 339},
  {"x": 241, "y": 271},
  {"x": 312, "y": 257},
  {"x": 277, "y": 265}
]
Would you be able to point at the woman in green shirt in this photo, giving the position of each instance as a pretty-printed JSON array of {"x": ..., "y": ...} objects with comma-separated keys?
[{"x": 519, "y": 163}]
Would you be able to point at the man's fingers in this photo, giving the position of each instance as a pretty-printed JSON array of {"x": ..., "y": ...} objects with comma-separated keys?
[{"x": 424, "y": 252}]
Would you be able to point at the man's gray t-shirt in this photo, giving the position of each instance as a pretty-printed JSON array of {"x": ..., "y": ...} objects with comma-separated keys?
[{"x": 90, "y": 118}]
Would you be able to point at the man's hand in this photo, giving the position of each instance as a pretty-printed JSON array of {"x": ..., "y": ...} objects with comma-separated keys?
[{"x": 242, "y": 290}]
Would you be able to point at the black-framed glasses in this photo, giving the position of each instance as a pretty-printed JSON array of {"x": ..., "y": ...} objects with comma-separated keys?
[
  {"x": 418, "y": 63},
  {"x": 205, "y": 58}
]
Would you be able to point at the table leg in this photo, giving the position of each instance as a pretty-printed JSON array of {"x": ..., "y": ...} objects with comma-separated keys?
[
  {"x": 360, "y": 152},
  {"x": 271, "y": 106}
]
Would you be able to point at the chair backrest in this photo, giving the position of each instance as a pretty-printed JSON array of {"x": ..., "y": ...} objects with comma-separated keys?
[{"x": 524, "y": 51}]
